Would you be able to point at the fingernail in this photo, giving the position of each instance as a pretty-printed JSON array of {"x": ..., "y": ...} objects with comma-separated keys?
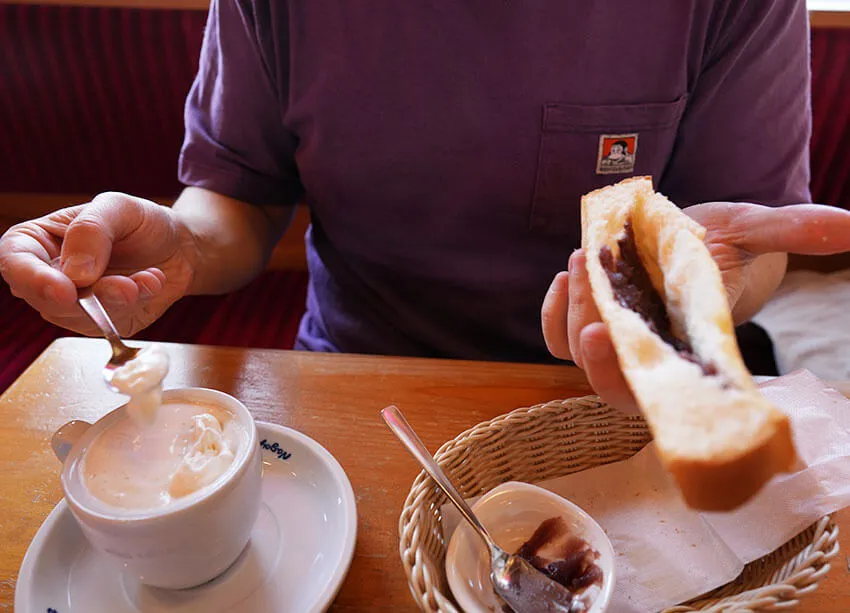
[
  {"x": 78, "y": 266},
  {"x": 571, "y": 262},
  {"x": 595, "y": 351},
  {"x": 574, "y": 259}
]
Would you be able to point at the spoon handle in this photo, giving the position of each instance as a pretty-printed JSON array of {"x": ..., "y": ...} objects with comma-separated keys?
[
  {"x": 399, "y": 426},
  {"x": 94, "y": 309}
]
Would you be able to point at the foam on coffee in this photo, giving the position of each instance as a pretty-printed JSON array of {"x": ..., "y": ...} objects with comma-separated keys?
[{"x": 141, "y": 466}]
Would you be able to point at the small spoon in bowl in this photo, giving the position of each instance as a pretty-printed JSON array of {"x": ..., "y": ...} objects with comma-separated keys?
[{"x": 519, "y": 584}]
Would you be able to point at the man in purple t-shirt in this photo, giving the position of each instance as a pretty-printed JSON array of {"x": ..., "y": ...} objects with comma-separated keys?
[{"x": 443, "y": 148}]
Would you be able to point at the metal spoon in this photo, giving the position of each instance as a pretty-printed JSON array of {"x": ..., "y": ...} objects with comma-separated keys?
[
  {"x": 523, "y": 588},
  {"x": 121, "y": 353}
]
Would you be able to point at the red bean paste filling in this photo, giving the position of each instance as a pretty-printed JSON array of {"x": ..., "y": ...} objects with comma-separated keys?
[
  {"x": 574, "y": 566},
  {"x": 633, "y": 289}
]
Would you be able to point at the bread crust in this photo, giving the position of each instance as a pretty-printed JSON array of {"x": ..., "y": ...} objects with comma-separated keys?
[
  {"x": 715, "y": 433},
  {"x": 725, "y": 485}
]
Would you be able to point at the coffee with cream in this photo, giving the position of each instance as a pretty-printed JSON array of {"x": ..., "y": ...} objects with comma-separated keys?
[{"x": 139, "y": 466}]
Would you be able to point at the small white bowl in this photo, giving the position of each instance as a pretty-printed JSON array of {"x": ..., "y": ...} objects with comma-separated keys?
[{"x": 512, "y": 512}]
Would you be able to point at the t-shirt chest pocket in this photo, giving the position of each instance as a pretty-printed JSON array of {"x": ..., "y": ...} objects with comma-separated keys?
[{"x": 583, "y": 148}]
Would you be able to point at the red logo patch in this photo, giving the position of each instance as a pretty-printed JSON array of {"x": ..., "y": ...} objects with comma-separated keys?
[{"x": 616, "y": 154}]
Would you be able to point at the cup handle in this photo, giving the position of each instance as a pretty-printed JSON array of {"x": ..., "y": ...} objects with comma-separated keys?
[{"x": 66, "y": 436}]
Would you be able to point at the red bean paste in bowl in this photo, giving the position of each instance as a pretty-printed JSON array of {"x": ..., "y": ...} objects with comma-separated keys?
[{"x": 566, "y": 559}]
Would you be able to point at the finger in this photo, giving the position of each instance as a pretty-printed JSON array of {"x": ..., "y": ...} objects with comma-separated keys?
[
  {"x": 553, "y": 316},
  {"x": 30, "y": 277},
  {"x": 121, "y": 299},
  {"x": 149, "y": 281},
  {"x": 117, "y": 293},
  {"x": 88, "y": 242},
  {"x": 582, "y": 308},
  {"x": 603, "y": 369},
  {"x": 56, "y": 223},
  {"x": 25, "y": 254},
  {"x": 806, "y": 229},
  {"x": 81, "y": 324},
  {"x": 42, "y": 287}
]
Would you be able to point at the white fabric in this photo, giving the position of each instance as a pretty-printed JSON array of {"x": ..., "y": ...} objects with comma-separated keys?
[{"x": 808, "y": 321}]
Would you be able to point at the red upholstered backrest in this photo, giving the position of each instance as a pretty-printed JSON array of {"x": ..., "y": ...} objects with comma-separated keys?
[
  {"x": 91, "y": 99},
  {"x": 831, "y": 112}
]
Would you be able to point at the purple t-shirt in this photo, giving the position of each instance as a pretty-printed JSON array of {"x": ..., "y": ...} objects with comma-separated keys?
[{"x": 443, "y": 147}]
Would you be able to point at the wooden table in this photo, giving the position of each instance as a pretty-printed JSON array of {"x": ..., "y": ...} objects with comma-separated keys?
[{"x": 334, "y": 399}]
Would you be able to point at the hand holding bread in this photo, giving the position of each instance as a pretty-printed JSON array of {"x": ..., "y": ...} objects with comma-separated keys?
[{"x": 665, "y": 287}]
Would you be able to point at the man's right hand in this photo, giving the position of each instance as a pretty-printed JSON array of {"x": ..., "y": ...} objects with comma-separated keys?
[{"x": 138, "y": 257}]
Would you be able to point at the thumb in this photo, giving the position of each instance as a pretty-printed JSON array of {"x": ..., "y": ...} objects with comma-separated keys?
[{"x": 88, "y": 241}]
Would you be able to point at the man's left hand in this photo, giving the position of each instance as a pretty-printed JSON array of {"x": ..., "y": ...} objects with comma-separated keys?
[{"x": 748, "y": 242}]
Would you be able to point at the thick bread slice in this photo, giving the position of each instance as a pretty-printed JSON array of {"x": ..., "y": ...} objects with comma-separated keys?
[{"x": 720, "y": 439}]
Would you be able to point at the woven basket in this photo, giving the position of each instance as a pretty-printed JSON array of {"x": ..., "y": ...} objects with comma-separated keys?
[{"x": 562, "y": 437}]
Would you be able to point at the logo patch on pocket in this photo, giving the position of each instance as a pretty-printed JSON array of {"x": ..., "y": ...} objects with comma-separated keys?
[{"x": 616, "y": 154}]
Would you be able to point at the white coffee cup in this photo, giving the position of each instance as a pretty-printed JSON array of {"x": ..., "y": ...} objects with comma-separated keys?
[{"x": 191, "y": 540}]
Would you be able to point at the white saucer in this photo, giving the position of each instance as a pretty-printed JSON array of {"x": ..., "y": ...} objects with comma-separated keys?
[{"x": 299, "y": 553}]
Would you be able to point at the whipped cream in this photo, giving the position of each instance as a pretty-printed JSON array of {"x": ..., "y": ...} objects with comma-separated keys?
[
  {"x": 146, "y": 466},
  {"x": 208, "y": 451},
  {"x": 141, "y": 379}
]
